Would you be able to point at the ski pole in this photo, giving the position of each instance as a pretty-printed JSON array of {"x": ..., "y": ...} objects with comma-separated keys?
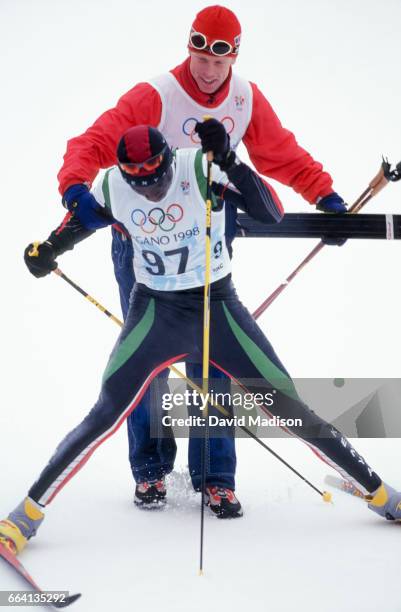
[
  {"x": 382, "y": 179},
  {"x": 88, "y": 297},
  {"x": 206, "y": 347}
]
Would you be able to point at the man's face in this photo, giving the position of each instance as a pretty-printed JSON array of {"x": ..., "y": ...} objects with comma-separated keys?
[
  {"x": 157, "y": 191},
  {"x": 209, "y": 71}
]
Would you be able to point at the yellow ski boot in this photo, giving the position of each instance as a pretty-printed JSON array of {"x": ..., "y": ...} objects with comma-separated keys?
[
  {"x": 386, "y": 501},
  {"x": 21, "y": 525}
]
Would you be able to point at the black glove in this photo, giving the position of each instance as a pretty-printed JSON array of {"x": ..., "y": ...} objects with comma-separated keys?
[
  {"x": 213, "y": 137},
  {"x": 332, "y": 241},
  {"x": 40, "y": 258}
]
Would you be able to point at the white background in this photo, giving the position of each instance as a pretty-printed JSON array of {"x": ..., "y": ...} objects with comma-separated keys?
[{"x": 331, "y": 71}]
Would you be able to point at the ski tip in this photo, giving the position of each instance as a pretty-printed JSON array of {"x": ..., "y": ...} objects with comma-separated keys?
[{"x": 67, "y": 602}]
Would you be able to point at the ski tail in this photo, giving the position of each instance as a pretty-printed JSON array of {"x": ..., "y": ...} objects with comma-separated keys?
[{"x": 343, "y": 485}]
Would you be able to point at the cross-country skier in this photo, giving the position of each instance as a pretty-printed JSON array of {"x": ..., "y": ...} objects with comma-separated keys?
[
  {"x": 173, "y": 102},
  {"x": 164, "y": 323}
]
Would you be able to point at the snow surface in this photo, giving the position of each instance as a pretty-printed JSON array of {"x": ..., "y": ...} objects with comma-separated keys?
[
  {"x": 330, "y": 69},
  {"x": 289, "y": 551}
]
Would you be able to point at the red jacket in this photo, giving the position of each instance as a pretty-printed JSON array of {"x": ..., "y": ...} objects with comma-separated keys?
[{"x": 273, "y": 150}]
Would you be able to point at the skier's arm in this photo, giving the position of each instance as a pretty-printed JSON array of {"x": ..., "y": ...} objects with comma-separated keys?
[
  {"x": 254, "y": 195},
  {"x": 96, "y": 148},
  {"x": 40, "y": 257}
]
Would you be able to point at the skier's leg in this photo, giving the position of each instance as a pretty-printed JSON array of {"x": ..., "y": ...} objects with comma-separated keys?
[
  {"x": 221, "y": 460},
  {"x": 148, "y": 343},
  {"x": 150, "y": 458},
  {"x": 242, "y": 350},
  {"x": 144, "y": 348},
  {"x": 151, "y": 455}
]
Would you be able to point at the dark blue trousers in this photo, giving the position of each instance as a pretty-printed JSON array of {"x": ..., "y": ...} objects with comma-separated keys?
[{"x": 151, "y": 457}]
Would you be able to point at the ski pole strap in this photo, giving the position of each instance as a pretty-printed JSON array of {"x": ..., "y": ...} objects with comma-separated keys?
[
  {"x": 391, "y": 175},
  {"x": 382, "y": 178}
]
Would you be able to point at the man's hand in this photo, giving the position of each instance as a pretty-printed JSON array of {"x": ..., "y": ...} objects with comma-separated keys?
[
  {"x": 82, "y": 203},
  {"x": 332, "y": 203},
  {"x": 40, "y": 258},
  {"x": 213, "y": 137}
]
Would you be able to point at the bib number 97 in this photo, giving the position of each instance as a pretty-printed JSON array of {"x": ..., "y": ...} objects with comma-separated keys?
[{"x": 156, "y": 265}]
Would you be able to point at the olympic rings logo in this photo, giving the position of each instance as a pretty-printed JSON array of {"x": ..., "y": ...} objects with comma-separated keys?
[
  {"x": 157, "y": 217},
  {"x": 188, "y": 127}
]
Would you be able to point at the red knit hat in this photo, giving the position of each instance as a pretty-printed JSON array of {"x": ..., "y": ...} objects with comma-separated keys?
[{"x": 217, "y": 23}]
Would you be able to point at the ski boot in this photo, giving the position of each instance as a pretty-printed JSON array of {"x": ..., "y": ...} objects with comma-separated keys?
[
  {"x": 223, "y": 502},
  {"x": 150, "y": 493},
  {"x": 386, "y": 501},
  {"x": 21, "y": 525}
]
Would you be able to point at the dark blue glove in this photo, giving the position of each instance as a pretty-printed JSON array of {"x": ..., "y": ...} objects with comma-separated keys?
[
  {"x": 332, "y": 203},
  {"x": 82, "y": 203}
]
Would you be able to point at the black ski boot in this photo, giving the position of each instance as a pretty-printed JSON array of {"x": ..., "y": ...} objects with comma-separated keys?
[
  {"x": 150, "y": 493},
  {"x": 223, "y": 502}
]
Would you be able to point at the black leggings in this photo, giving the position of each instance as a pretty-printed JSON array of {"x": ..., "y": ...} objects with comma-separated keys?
[{"x": 166, "y": 327}]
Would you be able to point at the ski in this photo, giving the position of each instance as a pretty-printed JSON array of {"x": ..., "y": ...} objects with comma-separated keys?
[
  {"x": 311, "y": 225},
  {"x": 343, "y": 485},
  {"x": 13, "y": 562}
]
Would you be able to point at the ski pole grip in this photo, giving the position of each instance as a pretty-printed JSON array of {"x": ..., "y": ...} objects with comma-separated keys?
[
  {"x": 209, "y": 154},
  {"x": 34, "y": 252}
]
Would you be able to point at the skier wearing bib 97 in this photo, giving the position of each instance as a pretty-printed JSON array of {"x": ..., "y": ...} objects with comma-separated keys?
[
  {"x": 164, "y": 323},
  {"x": 173, "y": 102}
]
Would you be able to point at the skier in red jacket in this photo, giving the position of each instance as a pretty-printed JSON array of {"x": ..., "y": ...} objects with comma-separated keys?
[{"x": 174, "y": 102}]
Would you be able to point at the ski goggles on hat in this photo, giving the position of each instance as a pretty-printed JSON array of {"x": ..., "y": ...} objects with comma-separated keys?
[
  {"x": 148, "y": 166},
  {"x": 199, "y": 41}
]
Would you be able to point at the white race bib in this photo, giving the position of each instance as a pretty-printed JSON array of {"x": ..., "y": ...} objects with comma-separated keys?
[{"x": 169, "y": 236}]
